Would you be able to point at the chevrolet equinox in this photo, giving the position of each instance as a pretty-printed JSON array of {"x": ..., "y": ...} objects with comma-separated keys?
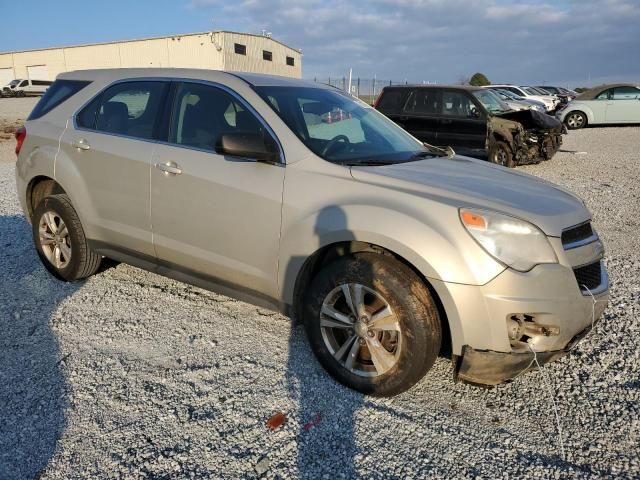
[{"x": 299, "y": 197}]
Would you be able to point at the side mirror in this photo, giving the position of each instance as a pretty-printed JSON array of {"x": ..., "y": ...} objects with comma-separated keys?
[{"x": 249, "y": 145}]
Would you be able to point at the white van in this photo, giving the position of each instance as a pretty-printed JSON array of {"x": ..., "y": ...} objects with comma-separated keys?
[{"x": 23, "y": 88}]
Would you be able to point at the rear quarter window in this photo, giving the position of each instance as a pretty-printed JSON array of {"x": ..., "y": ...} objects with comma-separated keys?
[
  {"x": 60, "y": 91},
  {"x": 391, "y": 101}
]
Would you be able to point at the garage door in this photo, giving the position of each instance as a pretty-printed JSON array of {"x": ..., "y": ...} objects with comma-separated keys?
[
  {"x": 38, "y": 72},
  {"x": 6, "y": 75}
]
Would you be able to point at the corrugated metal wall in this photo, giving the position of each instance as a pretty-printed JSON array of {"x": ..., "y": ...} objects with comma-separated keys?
[
  {"x": 253, "y": 61},
  {"x": 213, "y": 50}
]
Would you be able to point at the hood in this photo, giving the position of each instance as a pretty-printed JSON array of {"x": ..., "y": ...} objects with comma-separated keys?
[
  {"x": 466, "y": 182},
  {"x": 533, "y": 119}
]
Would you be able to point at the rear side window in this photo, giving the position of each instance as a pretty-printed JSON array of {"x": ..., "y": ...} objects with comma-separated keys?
[
  {"x": 57, "y": 93},
  {"x": 625, "y": 93},
  {"x": 202, "y": 114},
  {"x": 390, "y": 101},
  {"x": 130, "y": 108},
  {"x": 422, "y": 101}
]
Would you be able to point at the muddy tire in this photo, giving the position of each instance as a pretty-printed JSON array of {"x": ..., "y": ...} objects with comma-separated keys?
[
  {"x": 575, "y": 120},
  {"x": 372, "y": 324},
  {"x": 501, "y": 154},
  {"x": 60, "y": 240}
]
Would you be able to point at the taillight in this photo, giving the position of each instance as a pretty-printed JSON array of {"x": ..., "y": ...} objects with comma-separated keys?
[
  {"x": 377, "y": 100},
  {"x": 21, "y": 134}
]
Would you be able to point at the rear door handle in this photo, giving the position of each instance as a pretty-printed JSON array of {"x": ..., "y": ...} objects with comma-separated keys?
[
  {"x": 446, "y": 121},
  {"x": 81, "y": 144},
  {"x": 169, "y": 168}
]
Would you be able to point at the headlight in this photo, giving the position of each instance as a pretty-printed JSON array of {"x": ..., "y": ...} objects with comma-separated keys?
[{"x": 514, "y": 242}]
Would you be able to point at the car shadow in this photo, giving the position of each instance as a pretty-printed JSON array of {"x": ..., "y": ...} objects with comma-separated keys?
[
  {"x": 326, "y": 437},
  {"x": 33, "y": 388}
]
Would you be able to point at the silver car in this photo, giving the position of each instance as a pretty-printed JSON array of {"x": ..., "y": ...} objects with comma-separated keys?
[
  {"x": 607, "y": 104},
  {"x": 296, "y": 196},
  {"x": 518, "y": 103}
]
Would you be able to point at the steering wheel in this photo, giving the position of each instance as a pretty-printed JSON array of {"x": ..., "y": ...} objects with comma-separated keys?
[{"x": 332, "y": 143}]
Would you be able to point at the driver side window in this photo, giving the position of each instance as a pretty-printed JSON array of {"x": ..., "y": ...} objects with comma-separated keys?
[
  {"x": 606, "y": 95},
  {"x": 203, "y": 113}
]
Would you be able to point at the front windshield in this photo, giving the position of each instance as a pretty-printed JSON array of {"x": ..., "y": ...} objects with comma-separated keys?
[
  {"x": 532, "y": 91},
  {"x": 13, "y": 83},
  {"x": 541, "y": 91},
  {"x": 491, "y": 101},
  {"x": 341, "y": 129}
]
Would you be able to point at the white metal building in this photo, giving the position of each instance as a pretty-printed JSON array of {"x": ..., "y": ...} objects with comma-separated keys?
[{"x": 219, "y": 50}]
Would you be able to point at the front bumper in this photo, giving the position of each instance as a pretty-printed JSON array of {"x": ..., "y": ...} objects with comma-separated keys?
[
  {"x": 538, "y": 147},
  {"x": 486, "y": 367},
  {"x": 549, "y": 308}
]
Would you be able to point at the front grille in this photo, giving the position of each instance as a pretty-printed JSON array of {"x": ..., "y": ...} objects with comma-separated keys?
[
  {"x": 576, "y": 234},
  {"x": 589, "y": 276}
]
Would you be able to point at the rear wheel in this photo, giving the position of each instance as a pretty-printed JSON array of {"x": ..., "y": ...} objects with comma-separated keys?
[
  {"x": 575, "y": 120},
  {"x": 372, "y": 324},
  {"x": 60, "y": 240},
  {"x": 500, "y": 154}
]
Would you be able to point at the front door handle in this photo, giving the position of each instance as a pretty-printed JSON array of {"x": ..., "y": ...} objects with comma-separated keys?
[
  {"x": 169, "y": 168},
  {"x": 446, "y": 121},
  {"x": 81, "y": 144}
]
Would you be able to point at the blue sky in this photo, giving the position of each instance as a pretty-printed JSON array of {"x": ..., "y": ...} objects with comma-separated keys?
[{"x": 570, "y": 42}]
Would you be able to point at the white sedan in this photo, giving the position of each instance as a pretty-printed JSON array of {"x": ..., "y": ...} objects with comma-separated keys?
[
  {"x": 605, "y": 104},
  {"x": 551, "y": 102}
]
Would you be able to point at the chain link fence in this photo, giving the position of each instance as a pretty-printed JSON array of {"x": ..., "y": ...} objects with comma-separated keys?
[{"x": 367, "y": 89}]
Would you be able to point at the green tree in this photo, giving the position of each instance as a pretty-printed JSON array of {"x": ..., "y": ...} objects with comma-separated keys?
[{"x": 479, "y": 80}]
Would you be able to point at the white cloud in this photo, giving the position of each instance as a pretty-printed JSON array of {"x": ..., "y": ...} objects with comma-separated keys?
[{"x": 440, "y": 40}]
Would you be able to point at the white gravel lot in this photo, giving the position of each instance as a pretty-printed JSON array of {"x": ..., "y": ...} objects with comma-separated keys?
[{"x": 130, "y": 374}]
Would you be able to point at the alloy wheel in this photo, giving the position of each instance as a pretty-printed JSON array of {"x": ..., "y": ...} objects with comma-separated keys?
[
  {"x": 54, "y": 239},
  {"x": 575, "y": 120},
  {"x": 360, "y": 330},
  {"x": 500, "y": 157}
]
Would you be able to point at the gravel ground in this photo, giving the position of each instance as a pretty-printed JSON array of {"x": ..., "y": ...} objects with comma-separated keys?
[
  {"x": 13, "y": 111},
  {"x": 129, "y": 374}
]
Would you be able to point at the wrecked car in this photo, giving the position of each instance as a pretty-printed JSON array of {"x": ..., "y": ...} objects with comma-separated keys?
[
  {"x": 298, "y": 197},
  {"x": 473, "y": 121}
]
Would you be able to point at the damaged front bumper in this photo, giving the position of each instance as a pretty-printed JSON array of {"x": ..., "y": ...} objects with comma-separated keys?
[
  {"x": 537, "y": 146},
  {"x": 489, "y": 368}
]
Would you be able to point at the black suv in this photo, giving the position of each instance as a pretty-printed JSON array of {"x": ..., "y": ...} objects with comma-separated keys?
[{"x": 473, "y": 121}]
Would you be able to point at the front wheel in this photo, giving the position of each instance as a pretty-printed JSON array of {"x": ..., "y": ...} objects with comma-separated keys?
[
  {"x": 500, "y": 154},
  {"x": 372, "y": 324},
  {"x": 60, "y": 240},
  {"x": 575, "y": 120}
]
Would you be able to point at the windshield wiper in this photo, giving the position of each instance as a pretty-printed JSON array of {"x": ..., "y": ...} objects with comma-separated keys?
[{"x": 365, "y": 163}]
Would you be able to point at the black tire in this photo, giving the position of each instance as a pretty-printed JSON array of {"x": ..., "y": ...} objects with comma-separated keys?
[
  {"x": 575, "y": 120},
  {"x": 83, "y": 261},
  {"x": 501, "y": 154},
  {"x": 409, "y": 299}
]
